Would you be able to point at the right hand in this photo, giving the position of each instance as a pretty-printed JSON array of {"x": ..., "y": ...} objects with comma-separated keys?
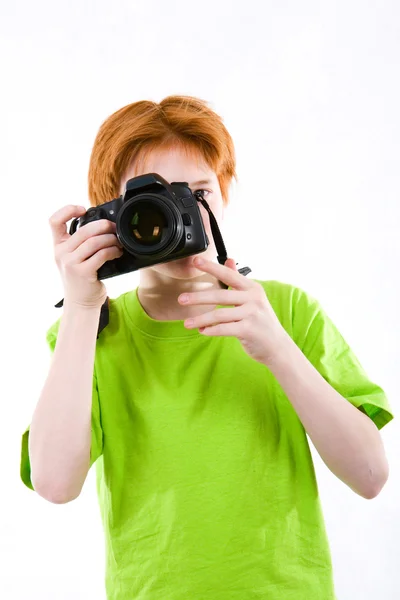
[{"x": 80, "y": 255}]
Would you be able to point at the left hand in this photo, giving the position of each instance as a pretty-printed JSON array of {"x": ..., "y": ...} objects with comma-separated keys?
[{"x": 252, "y": 320}]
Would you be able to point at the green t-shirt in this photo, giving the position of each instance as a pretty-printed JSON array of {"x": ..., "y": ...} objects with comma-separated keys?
[{"x": 205, "y": 479}]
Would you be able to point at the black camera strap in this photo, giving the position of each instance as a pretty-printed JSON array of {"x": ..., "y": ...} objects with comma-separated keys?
[
  {"x": 219, "y": 242},
  {"x": 221, "y": 257}
]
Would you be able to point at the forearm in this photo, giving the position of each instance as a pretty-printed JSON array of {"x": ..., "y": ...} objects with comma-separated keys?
[
  {"x": 346, "y": 439},
  {"x": 60, "y": 432}
]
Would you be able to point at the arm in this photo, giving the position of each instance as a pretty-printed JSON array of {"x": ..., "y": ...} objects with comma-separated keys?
[
  {"x": 60, "y": 432},
  {"x": 347, "y": 440}
]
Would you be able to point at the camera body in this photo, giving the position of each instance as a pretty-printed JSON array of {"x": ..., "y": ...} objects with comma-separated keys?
[{"x": 156, "y": 222}]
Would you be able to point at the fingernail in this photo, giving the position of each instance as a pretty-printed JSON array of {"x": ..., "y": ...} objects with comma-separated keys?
[
  {"x": 198, "y": 261},
  {"x": 184, "y": 298}
]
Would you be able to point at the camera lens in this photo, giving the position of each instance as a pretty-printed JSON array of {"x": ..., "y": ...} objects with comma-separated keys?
[
  {"x": 147, "y": 223},
  {"x": 150, "y": 225}
]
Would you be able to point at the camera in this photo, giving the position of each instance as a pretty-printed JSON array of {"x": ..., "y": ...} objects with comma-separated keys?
[{"x": 156, "y": 222}]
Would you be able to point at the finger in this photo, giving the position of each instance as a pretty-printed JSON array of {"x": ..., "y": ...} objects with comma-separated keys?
[
  {"x": 230, "y": 263},
  {"x": 58, "y": 221},
  {"x": 94, "y": 228},
  {"x": 93, "y": 264},
  {"x": 224, "y": 297},
  {"x": 232, "y": 329},
  {"x": 232, "y": 278},
  {"x": 93, "y": 245},
  {"x": 220, "y": 315}
]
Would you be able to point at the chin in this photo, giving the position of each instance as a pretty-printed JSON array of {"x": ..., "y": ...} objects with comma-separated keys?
[{"x": 179, "y": 269}]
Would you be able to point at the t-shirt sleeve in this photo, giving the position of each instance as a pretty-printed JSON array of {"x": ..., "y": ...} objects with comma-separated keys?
[
  {"x": 96, "y": 448},
  {"x": 324, "y": 346}
]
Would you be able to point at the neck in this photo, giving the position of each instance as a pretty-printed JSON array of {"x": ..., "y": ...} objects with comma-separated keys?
[{"x": 158, "y": 295}]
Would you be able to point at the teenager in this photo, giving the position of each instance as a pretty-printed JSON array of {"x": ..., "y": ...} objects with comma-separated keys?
[{"x": 196, "y": 399}]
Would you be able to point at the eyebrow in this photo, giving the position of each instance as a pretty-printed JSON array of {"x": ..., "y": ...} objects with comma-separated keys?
[{"x": 201, "y": 182}]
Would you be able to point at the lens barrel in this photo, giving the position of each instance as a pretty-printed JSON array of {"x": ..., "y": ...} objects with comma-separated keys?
[{"x": 150, "y": 224}]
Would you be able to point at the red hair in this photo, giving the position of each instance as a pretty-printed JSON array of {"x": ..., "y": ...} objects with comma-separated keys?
[{"x": 137, "y": 129}]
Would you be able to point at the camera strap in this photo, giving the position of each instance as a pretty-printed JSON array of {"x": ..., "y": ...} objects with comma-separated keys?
[
  {"x": 219, "y": 242},
  {"x": 221, "y": 257}
]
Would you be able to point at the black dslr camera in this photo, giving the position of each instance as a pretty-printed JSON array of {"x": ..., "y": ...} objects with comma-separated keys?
[{"x": 156, "y": 222}]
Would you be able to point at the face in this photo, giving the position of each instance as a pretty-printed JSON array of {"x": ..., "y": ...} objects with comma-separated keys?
[{"x": 177, "y": 165}]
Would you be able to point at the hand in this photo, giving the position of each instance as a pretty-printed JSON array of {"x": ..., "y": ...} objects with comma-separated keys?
[
  {"x": 252, "y": 320},
  {"x": 80, "y": 255}
]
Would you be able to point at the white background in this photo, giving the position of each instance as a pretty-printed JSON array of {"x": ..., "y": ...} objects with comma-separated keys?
[{"x": 310, "y": 93}]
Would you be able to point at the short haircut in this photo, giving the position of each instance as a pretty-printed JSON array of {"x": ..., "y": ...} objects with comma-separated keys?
[{"x": 135, "y": 130}]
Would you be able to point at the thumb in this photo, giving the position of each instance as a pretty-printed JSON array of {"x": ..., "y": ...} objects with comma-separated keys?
[{"x": 230, "y": 262}]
